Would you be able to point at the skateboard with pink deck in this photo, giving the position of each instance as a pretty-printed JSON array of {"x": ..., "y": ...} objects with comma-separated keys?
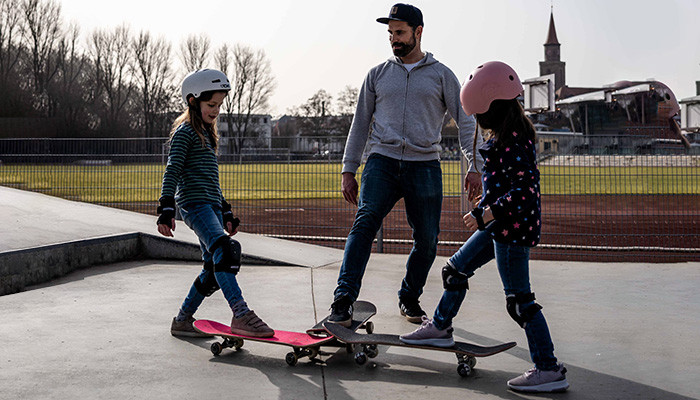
[{"x": 303, "y": 344}]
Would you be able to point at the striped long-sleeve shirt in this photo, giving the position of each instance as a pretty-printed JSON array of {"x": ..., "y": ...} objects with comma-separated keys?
[{"x": 192, "y": 172}]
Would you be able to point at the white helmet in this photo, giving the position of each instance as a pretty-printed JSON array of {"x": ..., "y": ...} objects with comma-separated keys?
[{"x": 204, "y": 80}]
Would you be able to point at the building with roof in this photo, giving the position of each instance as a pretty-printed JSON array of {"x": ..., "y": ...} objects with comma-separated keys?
[{"x": 625, "y": 108}]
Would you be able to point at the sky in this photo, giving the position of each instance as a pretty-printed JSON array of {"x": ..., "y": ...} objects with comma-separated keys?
[{"x": 329, "y": 44}]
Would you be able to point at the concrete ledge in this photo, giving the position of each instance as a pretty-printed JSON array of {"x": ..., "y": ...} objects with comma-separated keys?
[{"x": 31, "y": 266}]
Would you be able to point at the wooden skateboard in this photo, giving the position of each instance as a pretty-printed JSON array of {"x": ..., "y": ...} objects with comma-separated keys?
[
  {"x": 362, "y": 312},
  {"x": 302, "y": 344},
  {"x": 466, "y": 352}
]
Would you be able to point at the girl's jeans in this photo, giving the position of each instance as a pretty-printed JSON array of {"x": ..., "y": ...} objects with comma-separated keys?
[
  {"x": 207, "y": 222},
  {"x": 512, "y": 262}
]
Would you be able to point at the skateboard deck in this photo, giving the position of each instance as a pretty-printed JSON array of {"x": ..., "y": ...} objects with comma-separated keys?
[
  {"x": 466, "y": 352},
  {"x": 362, "y": 312},
  {"x": 303, "y": 345}
]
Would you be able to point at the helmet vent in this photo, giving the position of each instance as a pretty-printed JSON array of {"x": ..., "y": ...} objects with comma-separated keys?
[{"x": 511, "y": 77}]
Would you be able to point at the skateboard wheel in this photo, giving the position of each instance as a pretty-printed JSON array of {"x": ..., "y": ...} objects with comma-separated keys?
[
  {"x": 471, "y": 361},
  {"x": 216, "y": 348},
  {"x": 464, "y": 369},
  {"x": 369, "y": 327},
  {"x": 360, "y": 358},
  {"x": 238, "y": 343},
  {"x": 371, "y": 350},
  {"x": 349, "y": 348},
  {"x": 313, "y": 353},
  {"x": 291, "y": 359}
]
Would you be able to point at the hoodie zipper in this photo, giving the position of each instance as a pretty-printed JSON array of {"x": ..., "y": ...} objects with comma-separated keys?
[{"x": 403, "y": 124}]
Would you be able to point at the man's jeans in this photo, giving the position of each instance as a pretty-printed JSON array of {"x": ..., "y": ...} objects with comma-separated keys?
[
  {"x": 384, "y": 182},
  {"x": 513, "y": 266},
  {"x": 207, "y": 222}
]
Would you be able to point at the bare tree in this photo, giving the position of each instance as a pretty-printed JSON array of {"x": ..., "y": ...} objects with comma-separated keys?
[
  {"x": 223, "y": 59},
  {"x": 111, "y": 55},
  {"x": 347, "y": 101},
  {"x": 345, "y": 109},
  {"x": 154, "y": 82},
  {"x": 43, "y": 35},
  {"x": 252, "y": 85},
  {"x": 71, "y": 84},
  {"x": 314, "y": 114},
  {"x": 11, "y": 32},
  {"x": 194, "y": 52}
]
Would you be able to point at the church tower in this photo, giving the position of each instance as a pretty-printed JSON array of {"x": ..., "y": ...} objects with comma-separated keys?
[{"x": 552, "y": 63}]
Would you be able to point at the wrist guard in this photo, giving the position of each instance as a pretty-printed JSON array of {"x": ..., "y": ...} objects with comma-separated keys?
[
  {"x": 478, "y": 214},
  {"x": 166, "y": 211},
  {"x": 227, "y": 215}
]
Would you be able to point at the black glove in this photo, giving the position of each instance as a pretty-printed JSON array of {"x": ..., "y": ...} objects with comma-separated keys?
[
  {"x": 166, "y": 210},
  {"x": 478, "y": 214},
  {"x": 228, "y": 215}
]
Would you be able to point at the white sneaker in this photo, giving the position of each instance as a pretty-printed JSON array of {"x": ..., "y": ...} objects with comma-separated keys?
[
  {"x": 537, "y": 381},
  {"x": 428, "y": 334}
]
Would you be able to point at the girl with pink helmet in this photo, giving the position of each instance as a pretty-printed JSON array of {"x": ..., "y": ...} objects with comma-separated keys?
[{"x": 507, "y": 224}]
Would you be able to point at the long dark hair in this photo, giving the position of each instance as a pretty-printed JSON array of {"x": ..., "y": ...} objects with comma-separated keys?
[
  {"x": 502, "y": 119},
  {"x": 193, "y": 115}
]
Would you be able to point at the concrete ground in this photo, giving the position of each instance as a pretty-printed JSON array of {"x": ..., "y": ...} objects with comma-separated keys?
[{"x": 624, "y": 331}]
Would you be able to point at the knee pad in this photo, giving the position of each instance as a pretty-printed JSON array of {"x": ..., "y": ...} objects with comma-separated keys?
[
  {"x": 453, "y": 279},
  {"x": 522, "y": 314},
  {"x": 230, "y": 256},
  {"x": 207, "y": 286}
]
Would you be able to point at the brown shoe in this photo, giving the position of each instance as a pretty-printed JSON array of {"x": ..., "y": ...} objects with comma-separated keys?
[
  {"x": 186, "y": 328},
  {"x": 251, "y": 325}
]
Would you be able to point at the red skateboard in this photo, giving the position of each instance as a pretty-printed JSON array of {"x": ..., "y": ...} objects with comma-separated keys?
[{"x": 303, "y": 344}]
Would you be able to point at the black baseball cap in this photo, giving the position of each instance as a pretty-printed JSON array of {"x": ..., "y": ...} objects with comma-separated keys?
[{"x": 404, "y": 12}]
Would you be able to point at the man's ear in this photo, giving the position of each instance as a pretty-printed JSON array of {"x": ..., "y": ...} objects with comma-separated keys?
[{"x": 419, "y": 31}]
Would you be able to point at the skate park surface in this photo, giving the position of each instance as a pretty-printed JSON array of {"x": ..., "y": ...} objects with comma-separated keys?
[{"x": 623, "y": 330}]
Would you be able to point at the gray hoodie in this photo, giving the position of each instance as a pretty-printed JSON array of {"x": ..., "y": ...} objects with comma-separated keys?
[{"x": 401, "y": 113}]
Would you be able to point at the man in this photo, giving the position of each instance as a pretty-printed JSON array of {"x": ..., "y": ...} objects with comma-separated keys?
[{"x": 400, "y": 110}]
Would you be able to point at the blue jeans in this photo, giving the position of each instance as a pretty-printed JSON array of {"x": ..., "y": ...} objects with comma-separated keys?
[
  {"x": 207, "y": 223},
  {"x": 384, "y": 182},
  {"x": 513, "y": 267}
]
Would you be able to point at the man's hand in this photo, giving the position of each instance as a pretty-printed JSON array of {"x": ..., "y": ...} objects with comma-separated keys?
[
  {"x": 349, "y": 187},
  {"x": 472, "y": 185}
]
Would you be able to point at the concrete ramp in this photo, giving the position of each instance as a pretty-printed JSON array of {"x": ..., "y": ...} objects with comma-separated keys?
[{"x": 43, "y": 237}]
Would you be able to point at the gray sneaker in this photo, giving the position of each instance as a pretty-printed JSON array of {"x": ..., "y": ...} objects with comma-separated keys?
[
  {"x": 186, "y": 329},
  {"x": 536, "y": 381},
  {"x": 428, "y": 334},
  {"x": 251, "y": 325}
]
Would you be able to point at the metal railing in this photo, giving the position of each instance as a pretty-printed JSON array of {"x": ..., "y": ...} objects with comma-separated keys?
[{"x": 603, "y": 198}]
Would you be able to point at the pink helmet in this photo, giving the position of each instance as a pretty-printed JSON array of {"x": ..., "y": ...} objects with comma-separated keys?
[{"x": 490, "y": 81}]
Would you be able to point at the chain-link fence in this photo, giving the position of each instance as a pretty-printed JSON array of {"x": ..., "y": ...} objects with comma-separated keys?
[{"x": 606, "y": 198}]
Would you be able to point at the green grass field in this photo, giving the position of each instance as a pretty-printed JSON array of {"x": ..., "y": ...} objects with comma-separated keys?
[{"x": 141, "y": 183}]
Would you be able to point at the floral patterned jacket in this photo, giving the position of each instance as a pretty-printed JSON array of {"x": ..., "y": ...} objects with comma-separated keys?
[{"x": 511, "y": 183}]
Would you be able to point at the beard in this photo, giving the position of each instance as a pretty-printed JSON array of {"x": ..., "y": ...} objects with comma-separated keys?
[{"x": 404, "y": 48}]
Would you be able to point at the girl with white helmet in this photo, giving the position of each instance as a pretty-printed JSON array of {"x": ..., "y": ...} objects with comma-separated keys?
[
  {"x": 191, "y": 183},
  {"x": 507, "y": 224}
]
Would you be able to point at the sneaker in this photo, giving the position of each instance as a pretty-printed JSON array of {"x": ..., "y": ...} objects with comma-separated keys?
[
  {"x": 186, "y": 329},
  {"x": 537, "y": 381},
  {"x": 411, "y": 310},
  {"x": 341, "y": 311},
  {"x": 251, "y": 325},
  {"x": 428, "y": 334}
]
